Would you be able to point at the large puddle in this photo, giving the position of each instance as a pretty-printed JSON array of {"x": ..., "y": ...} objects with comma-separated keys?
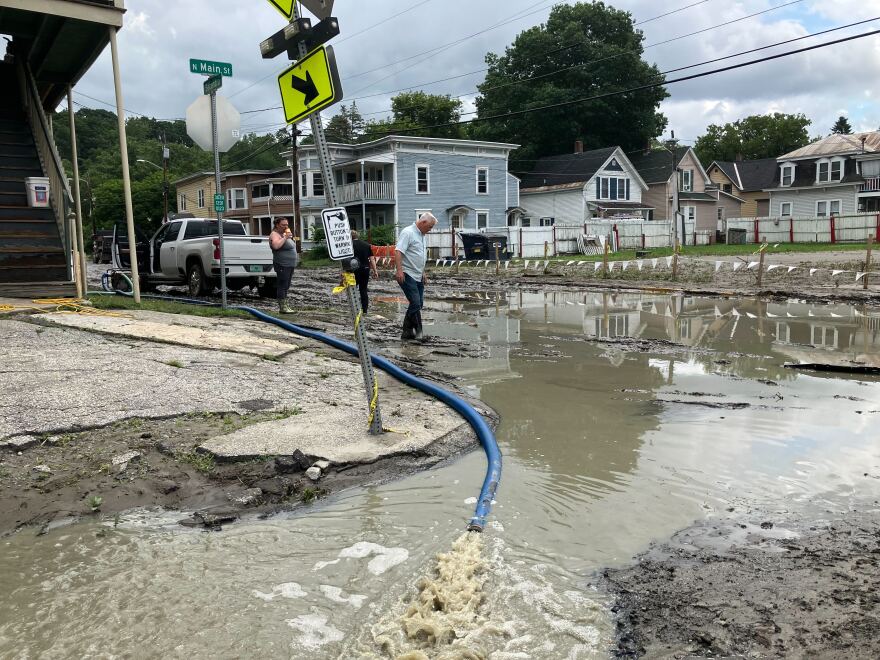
[{"x": 685, "y": 413}]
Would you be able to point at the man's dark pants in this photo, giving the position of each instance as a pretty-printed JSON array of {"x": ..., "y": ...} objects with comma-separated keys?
[
  {"x": 362, "y": 277},
  {"x": 414, "y": 290}
]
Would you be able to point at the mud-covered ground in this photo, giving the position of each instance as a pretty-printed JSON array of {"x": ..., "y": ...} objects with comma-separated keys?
[{"x": 753, "y": 586}]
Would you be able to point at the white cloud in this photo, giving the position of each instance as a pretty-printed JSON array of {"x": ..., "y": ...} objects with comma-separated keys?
[{"x": 822, "y": 83}]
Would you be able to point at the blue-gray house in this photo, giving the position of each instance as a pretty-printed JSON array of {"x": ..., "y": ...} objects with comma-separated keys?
[{"x": 464, "y": 183}]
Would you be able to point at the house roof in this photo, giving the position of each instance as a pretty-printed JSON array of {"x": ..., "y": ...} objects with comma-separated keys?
[
  {"x": 566, "y": 169},
  {"x": 749, "y": 175},
  {"x": 835, "y": 145},
  {"x": 655, "y": 166},
  {"x": 696, "y": 197},
  {"x": 805, "y": 176}
]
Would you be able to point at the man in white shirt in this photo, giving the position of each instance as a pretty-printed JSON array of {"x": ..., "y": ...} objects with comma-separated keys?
[{"x": 409, "y": 255}]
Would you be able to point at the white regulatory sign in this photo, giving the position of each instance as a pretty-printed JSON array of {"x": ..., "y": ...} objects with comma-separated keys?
[{"x": 338, "y": 233}]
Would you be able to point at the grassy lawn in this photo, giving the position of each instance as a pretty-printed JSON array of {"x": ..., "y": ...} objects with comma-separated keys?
[
  {"x": 169, "y": 307},
  {"x": 722, "y": 250}
]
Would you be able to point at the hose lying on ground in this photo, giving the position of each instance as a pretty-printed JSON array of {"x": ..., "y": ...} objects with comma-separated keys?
[{"x": 476, "y": 421}]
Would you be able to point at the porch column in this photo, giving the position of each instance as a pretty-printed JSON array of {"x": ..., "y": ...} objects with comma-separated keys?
[
  {"x": 76, "y": 197},
  {"x": 126, "y": 179},
  {"x": 363, "y": 201}
]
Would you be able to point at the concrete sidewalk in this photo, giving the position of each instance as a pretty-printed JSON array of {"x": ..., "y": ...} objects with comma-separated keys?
[{"x": 65, "y": 372}]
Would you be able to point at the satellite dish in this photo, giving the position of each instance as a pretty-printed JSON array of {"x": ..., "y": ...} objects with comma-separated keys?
[{"x": 198, "y": 123}]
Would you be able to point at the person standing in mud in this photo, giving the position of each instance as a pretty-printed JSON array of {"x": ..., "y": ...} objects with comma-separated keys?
[
  {"x": 410, "y": 254},
  {"x": 284, "y": 260},
  {"x": 366, "y": 265}
]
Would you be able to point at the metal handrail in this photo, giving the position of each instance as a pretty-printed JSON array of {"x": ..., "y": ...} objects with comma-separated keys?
[{"x": 62, "y": 198}]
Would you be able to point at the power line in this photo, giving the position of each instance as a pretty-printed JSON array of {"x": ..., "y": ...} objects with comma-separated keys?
[
  {"x": 639, "y": 88},
  {"x": 569, "y": 47}
]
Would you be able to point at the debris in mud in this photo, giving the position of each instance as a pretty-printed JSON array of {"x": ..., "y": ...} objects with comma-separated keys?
[
  {"x": 834, "y": 368},
  {"x": 708, "y": 404},
  {"x": 801, "y": 591}
]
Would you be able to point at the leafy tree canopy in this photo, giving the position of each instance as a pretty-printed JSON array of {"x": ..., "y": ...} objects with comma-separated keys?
[
  {"x": 757, "y": 136},
  {"x": 584, "y": 50},
  {"x": 842, "y": 126},
  {"x": 414, "y": 112},
  {"x": 101, "y": 169}
]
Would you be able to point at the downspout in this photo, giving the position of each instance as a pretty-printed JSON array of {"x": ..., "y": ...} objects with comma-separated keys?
[{"x": 81, "y": 287}]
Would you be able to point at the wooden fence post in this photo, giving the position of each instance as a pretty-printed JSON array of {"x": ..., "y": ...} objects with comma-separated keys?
[
  {"x": 454, "y": 246},
  {"x": 761, "y": 265},
  {"x": 605, "y": 257},
  {"x": 868, "y": 263},
  {"x": 675, "y": 259},
  {"x": 497, "y": 263},
  {"x": 833, "y": 233},
  {"x": 555, "y": 248},
  {"x": 756, "y": 231}
]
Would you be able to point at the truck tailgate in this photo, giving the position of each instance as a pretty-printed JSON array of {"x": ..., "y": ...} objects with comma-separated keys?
[{"x": 247, "y": 250}]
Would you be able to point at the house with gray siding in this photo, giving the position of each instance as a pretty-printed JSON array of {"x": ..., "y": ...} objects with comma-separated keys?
[
  {"x": 464, "y": 183},
  {"x": 838, "y": 175},
  {"x": 572, "y": 188}
]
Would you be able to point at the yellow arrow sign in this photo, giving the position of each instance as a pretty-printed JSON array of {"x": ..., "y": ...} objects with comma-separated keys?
[
  {"x": 285, "y": 7},
  {"x": 310, "y": 85}
]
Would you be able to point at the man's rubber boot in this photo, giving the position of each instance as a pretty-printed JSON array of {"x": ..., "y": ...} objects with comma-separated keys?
[
  {"x": 417, "y": 326},
  {"x": 408, "y": 330}
]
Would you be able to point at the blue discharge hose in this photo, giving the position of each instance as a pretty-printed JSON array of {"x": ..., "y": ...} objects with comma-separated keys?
[{"x": 462, "y": 407}]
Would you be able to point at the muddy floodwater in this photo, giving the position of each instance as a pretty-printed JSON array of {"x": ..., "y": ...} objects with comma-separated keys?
[{"x": 625, "y": 418}]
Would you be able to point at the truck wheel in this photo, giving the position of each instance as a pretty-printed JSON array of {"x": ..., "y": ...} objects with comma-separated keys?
[{"x": 195, "y": 280}]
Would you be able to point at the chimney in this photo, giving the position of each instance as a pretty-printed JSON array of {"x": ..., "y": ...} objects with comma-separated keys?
[
  {"x": 578, "y": 146},
  {"x": 863, "y": 143}
]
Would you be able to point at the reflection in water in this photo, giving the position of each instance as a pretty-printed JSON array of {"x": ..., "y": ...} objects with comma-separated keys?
[{"x": 684, "y": 410}]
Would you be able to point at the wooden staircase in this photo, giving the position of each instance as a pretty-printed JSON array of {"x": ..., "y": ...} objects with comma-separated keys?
[{"x": 33, "y": 262}]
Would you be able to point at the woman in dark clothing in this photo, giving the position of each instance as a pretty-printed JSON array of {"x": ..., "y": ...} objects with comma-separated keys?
[
  {"x": 284, "y": 260},
  {"x": 366, "y": 264}
]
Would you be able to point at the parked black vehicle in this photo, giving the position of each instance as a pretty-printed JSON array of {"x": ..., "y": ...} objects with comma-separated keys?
[{"x": 102, "y": 242}]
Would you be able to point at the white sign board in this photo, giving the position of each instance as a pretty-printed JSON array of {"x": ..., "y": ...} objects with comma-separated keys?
[
  {"x": 198, "y": 124},
  {"x": 338, "y": 233}
]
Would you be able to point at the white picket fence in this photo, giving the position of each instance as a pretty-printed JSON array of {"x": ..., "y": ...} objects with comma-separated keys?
[
  {"x": 537, "y": 242},
  {"x": 836, "y": 229}
]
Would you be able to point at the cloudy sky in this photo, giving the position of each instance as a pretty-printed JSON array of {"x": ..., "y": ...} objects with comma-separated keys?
[{"x": 388, "y": 45}]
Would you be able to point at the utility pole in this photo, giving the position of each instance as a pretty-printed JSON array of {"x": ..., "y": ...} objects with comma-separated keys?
[
  {"x": 294, "y": 180},
  {"x": 671, "y": 147},
  {"x": 165, "y": 154}
]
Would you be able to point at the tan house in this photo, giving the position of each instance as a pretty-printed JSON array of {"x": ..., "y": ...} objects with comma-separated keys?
[
  {"x": 747, "y": 180},
  {"x": 701, "y": 201}
]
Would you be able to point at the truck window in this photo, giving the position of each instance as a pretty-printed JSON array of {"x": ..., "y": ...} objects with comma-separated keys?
[{"x": 209, "y": 228}]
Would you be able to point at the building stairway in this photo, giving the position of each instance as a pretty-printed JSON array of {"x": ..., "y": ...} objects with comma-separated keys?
[{"x": 33, "y": 262}]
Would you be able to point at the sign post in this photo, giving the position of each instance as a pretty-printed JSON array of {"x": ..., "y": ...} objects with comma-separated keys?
[{"x": 195, "y": 128}]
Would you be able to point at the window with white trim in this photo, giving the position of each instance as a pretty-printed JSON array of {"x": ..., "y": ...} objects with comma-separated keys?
[
  {"x": 526, "y": 222},
  {"x": 687, "y": 180},
  {"x": 303, "y": 185},
  {"x": 423, "y": 179},
  {"x": 547, "y": 222},
  {"x": 836, "y": 169},
  {"x": 827, "y": 207},
  {"x": 482, "y": 180},
  {"x": 612, "y": 188},
  {"x": 785, "y": 209},
  {"x": 236, "y": 199},
  {"x": 786, "y": 175},
  {"x": 201, "y": 198},
  {"x": 181, "y": 202},
  {"x": 689, "y": 212},
  {"x": 317, "y": 184},
  {"x": 720, "y": 213},
  {"x": 482, "y": 219}
]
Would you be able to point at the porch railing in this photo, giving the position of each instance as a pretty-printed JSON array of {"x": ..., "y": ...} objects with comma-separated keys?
[
  {"x": 367, "y": 191},
  {"x": 59, "y": 188},
  {"x": 871, "y": 184}
]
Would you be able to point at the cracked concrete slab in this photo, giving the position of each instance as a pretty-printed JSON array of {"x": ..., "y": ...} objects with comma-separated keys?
[
  {"x": 339, "y": 434},
  {"x": 239, "y": 336}
]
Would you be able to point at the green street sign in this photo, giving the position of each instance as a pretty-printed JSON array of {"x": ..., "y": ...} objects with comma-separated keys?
[
  {"x": 213, "y": 83},
  {"x": 209, "y": 68},
  {"x": 220, "y": 203}
]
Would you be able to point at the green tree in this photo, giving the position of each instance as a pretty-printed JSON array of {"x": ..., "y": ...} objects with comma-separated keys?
[
  {"x": 757, "y": 136},
  {"x": 414, "y": 112},
  {"x": 842, "y": 126},
  {"x": 583, "y": 50},
  {"x": 339, "y": 127}
]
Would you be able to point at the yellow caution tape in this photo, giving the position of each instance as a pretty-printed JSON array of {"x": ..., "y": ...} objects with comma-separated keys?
[{"x": 347, "y": 281}]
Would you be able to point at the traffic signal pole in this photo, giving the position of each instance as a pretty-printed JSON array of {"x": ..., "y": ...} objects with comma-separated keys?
[
  {"x": 360, "y": 326},
  {"x": 217, "y": 192}
]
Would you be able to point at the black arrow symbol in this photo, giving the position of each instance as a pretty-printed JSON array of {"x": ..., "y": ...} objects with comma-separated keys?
[{"x": 307, "y": 87}]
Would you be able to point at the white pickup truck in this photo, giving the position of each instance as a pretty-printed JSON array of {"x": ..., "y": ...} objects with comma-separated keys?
[{"x": 187, "y": 251}]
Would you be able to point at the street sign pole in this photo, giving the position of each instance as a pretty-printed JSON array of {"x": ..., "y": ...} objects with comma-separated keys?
[
  {"x": 217, "y": 191},
  {"x": 353, "y": 302}
]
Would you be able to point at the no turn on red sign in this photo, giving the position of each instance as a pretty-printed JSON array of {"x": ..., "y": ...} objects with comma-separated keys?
[{"x": 338, "y": 233}]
